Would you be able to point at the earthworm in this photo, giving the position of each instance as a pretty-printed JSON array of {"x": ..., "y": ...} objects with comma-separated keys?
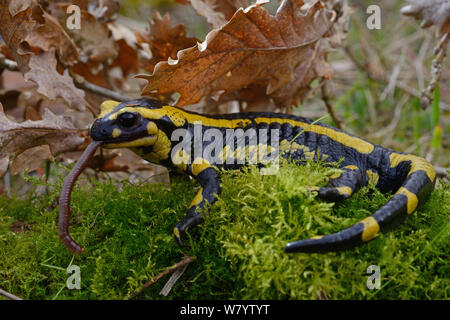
[{"x": 64, "y": 198}]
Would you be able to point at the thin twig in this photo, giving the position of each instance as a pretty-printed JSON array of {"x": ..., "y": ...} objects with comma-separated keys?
[
  {"x": 186, "y": 260},
  {"x": 172, "y": 280},
  {"x": 8, "y": 295},
  {"x": 392, "y": 80},
  {"x": 82, "y": 83},
  {"x": 326, "y": 100},
  {"x": 8, "y": 64},
  {"x": 426, "y": 96},
  {"x": 441, "y": 171}
]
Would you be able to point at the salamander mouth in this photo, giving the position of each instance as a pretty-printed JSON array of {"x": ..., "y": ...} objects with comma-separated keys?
[
  {"x": 119, "y": 140},
  {"x": 144, "y": 141}
]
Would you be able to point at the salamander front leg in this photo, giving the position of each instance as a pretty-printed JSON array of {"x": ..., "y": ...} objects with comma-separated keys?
[{"x": 210, "y": 187}]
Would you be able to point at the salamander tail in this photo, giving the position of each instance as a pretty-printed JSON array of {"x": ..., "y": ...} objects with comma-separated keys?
[{"x": 415, "y": 191}]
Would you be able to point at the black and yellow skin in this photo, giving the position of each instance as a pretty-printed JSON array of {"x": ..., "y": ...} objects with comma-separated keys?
[{"x": 147, "y": 126}]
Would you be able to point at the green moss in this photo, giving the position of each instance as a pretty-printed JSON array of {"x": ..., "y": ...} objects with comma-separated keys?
[{"x": 127, "y": 233}]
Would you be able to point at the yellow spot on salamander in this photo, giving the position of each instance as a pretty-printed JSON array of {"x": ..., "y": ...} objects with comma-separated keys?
[
  {"x": 116, "y": 132},
  {"x": 107, "y": 106},
  {"x": 199, "y": 165},
  {"x": 417, "y": 164},
  {"x": 413, "y": 201},
  {"x": 317, "y": 237},
  {"x": 160, "y": 148},
  {"x": 152, "y": 128},
  {"x": 197, "y": 199},
  {"x": 335, "y": 175},
  {"x": 176, "y": 232},
  {"x": 373, "y": 176},
  {"x": 351, "y": 167},
  {"x": 345, "y": 190},
  {"x": 371, "y": 228},
  {"x": 180, "y": 159}
]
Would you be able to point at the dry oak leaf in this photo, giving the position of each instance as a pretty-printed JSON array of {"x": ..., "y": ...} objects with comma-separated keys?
[
  {"x": 14, "y": 29},
  {"x": 33, "y": 37},
  {"x": 164, "y": 40},
  {"x": 52, "y": 84},
  {"x": 54, "y": 4},
  {"x": 16, "y": 6},
  {"x": 94, "y": 38},
  {"x": 254, "y": 47},
  {"x": 107, "y": 10},
  {"x": 31, "y": 159},
  {"x": 313, "y": 66},
  {"x": 27, "y": 28},
  {"x": 431, "y": 12},
  {"x": 51, "y": 34},
  {"x": 55, "y": 131},
  {"x": 218, "y": 12},
  {"x": 127, "y": 58}
]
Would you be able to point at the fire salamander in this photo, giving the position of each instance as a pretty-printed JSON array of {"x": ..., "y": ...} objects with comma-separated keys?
[{"x": 155, "y": 131}]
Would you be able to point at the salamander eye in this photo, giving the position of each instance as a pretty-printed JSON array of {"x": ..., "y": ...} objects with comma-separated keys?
[{"x": 127, "y": 119}]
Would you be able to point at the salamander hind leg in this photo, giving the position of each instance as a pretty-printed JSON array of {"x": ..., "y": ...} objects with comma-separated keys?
[{"x": 343, "y": 185}]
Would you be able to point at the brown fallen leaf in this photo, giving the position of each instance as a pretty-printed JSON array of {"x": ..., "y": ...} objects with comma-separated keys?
[
  {"x": 93, "y": 38},
  {"x": 27, "y": 28},
  {"x": 52, "y": 6},
  {"x": 253, "y": 48},
  {"x": 106, "y": 10},
  {"x": 30, "y": 159},
  {"x": 127, "y": 58},
  {"x": 313, "y": 66},
  {"x": 218, "y": 12},
  {"x": 55, "y": 131},
  {"x": 33, "y": 37},
  {"x": 431, "y": 12},
  {"x": 164, "y": 40},
  {"x": 32, "y": 114},
  {"x": 52, "y": 84},
  {"x": 14, "y": 30},
  {"x": 19, "y": 5},
  {"x": 91, "y": 71},
  {"x": 44, "y": 37}
]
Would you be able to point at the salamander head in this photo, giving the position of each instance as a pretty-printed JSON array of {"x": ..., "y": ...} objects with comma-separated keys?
[{"x": 130, "y": 124}]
